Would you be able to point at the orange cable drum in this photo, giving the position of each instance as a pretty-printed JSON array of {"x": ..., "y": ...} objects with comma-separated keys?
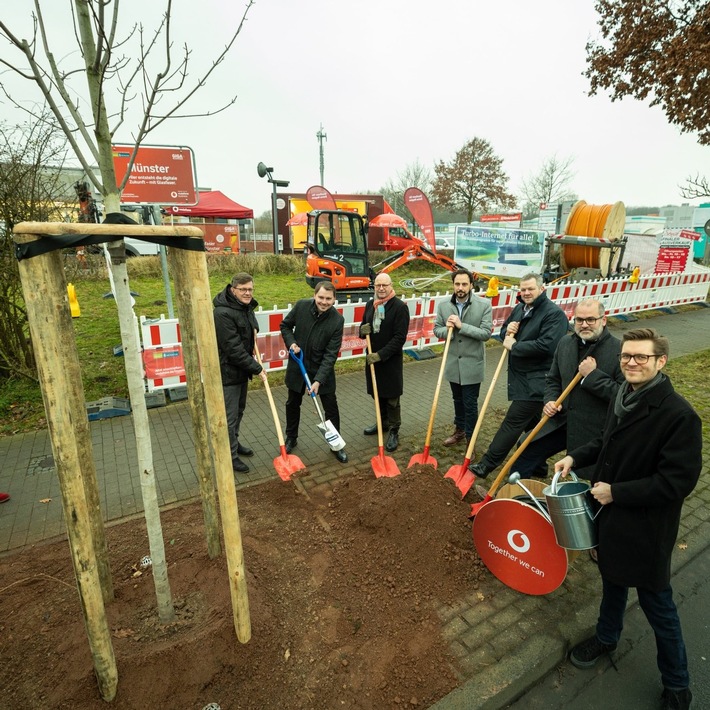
[{"x": 599, "y": 222}]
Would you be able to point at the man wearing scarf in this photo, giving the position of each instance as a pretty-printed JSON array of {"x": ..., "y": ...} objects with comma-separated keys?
[
  {"x": 593, "y": 351},
  {"x": 647, "y": 461},
  {"x": 386, "y": 321}
]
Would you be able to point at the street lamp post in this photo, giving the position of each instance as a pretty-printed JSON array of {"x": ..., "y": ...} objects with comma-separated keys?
[{"x": 267, "y": 172}]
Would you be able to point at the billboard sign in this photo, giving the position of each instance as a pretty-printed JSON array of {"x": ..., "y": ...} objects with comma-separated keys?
[
  {"x": 498, "y": 251},
  {"x": 160, "y": 175}
]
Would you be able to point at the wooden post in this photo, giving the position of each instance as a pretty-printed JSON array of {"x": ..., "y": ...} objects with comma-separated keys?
[
  {"x": 189, "y": 272},
  {"x": 198, "y": 412},
  {"x": 49, "y": 316}
]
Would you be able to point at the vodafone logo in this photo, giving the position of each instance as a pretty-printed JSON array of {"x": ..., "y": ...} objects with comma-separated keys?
[{"x": 518, "y": 540}]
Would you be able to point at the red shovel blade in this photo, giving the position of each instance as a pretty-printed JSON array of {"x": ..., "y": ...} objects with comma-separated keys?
[
  {"x": 423, "y": 458},
  {"x": 461, "y": 476},
  {"x": 287, "y": 464},
  {"x": 384, "y": 466},
  {"x": 476, "y": 507}
]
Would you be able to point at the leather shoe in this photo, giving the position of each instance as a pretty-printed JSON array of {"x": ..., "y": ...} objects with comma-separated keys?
[
  {"x": 456, "y": 438},
  {"x": 290, "y": 444},
  {"x": 392, "y": 440},
  {"x": 244, "y": 450},
  {"x": 341, "y": 456},
  {"x": 239, "y": 466},
  {"x": 478, "y": 470},
  {"x": 370, "y": 430}
]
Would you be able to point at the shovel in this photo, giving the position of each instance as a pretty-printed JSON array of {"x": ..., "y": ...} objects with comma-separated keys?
[
  {"x": 332, "y": 437},
  {"x": 460, "y": 475},
  {"x": 381, "y": 465},
  {"x": 424, "y": 456},
  {"x": 504, "y": 471},
  {"x": 285, "y": 464}
]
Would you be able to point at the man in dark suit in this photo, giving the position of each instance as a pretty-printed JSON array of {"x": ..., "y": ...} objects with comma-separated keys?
[
  {"x": 594, "y": 352},
  {"x": 646, "y": 462},
  {"x": 386, "y": 320}
]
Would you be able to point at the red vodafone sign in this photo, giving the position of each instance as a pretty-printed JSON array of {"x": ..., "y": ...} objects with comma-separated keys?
[
  {"x": 517, "y": 544},
  {"x": 160, "y": 174}
]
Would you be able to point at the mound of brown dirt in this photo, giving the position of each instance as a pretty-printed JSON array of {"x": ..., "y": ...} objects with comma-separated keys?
[{"x": 345, "y": 585}]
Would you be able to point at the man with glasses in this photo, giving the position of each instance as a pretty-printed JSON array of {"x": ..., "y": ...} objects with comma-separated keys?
[
  {"x": 315, "y": 327},
  {"x": 386, "y": 321},
  {"x": 235, "y": 325},
  {"x": 646, "y": 462},
  {"x": 594, "y": 352},
  {"x": 530, "y": 334}
]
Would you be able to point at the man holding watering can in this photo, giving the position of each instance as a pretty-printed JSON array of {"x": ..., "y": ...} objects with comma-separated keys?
[{"x": 647, "y": 461}]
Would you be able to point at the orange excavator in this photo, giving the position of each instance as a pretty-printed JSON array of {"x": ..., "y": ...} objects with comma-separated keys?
[{"x": 336, "y": 246}]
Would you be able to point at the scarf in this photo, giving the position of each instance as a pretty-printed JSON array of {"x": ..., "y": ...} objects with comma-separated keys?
[
  {"x": 379, "y": 311},
  {"x": 627, "y": 399}
]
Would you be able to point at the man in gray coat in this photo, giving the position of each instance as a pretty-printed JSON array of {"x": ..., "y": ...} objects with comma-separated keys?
[
  {"x": 593, "y": 351},
  {"x": 471, "y": 318}
]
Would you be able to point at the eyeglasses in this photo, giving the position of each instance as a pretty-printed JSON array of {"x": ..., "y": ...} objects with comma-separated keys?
[
  {"x": 639, "y": 359},
  {"x": 383, "y": 285},
  {"x": 244, "y": 290},
  {"x": 590, "y": 321}
]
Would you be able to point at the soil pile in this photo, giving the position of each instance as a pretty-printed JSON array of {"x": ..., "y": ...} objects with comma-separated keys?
[{"x": 345, "y": 587}]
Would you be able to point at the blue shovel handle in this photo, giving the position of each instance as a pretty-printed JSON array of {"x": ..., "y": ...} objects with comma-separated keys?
[{"x": 298, "y": 357}]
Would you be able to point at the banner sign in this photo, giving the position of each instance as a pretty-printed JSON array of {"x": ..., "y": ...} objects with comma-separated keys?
[
  {"x": 518, "y": 546},
  {"x": 673, "y": 250},
  {"x": 159, "y": 175},
  {"x": 160, "y": 363},
  {"x": 494, "y": 250},
  {"x": 319, "y": 198},
  {"x": 514, "y": 217},
  {"x": 418, "y": 204}
]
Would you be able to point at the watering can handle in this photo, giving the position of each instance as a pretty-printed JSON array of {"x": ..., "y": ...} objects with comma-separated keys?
[
  {"x": 553, "y": 485},
  {"x": 298, "y": 357}
]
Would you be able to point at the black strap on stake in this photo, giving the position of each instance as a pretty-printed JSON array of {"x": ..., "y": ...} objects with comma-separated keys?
[{"x": 45, "y": 245}]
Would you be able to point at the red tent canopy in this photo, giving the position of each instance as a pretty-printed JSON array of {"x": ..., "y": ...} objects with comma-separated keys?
[{"x": 213, "y": 204}]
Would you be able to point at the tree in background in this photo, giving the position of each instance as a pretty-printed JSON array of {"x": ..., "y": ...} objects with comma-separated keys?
[
  {"x": 658, "y": 51},
  {"x": 550, "y": 184},
  {"x": 31, "y": 159},
  {"x": 414, "y": 175},
  {"x": 473, "y": 182}
]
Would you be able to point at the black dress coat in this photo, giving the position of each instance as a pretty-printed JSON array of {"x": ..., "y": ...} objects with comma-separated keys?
[
  {"x": 536, "y": 340},
  {"x": 652, "y": 458},
  {"x": 320, "y": 336},
  {"x": 388, "y": 343},
  {"x": 235, "y": 324},
  {"x": 584, "y": 410}
]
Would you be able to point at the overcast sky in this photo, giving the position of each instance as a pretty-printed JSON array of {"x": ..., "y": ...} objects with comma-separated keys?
[{"x": 395, "y": 81}]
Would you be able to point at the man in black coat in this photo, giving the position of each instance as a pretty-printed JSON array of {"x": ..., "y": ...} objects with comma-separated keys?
[
  {"x": 594, "y": 352},
  {"x": 530, "y": 334},
  {"x": 386, "y": 321},
  {"x": 315, "y": 327},
  {"x": 235, "y": 325},
  {"x": 647, "y": 462}
]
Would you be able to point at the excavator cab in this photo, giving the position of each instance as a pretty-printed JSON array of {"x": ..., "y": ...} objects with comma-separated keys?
[{"x": 336, "y": 251}]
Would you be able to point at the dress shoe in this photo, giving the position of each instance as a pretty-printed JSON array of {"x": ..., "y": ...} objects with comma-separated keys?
[
  {"x": 392, "y": 440},
  {"x": 244, "y": 450},
  {"x": 290, "y": 444},
  {"x": 370, "y": 430},
  {"x": 341, "y": 456},
  {"x": 478, "y": 470},
  {"x": 239, "y": 466},
  {"x": 456, "y": 438}
]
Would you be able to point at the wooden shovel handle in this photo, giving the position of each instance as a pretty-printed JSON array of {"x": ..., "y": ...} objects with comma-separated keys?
[
  {"x": 380, "y": 439},
  {"x": 484, "y": 406},
  {"x": 432, "y": 416},
  {"x": 504, "y": 471},
  {"x": 270, "y": 397}
]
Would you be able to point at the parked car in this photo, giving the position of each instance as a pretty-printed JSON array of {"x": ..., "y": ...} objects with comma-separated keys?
[{"x": 443, "y": 243}]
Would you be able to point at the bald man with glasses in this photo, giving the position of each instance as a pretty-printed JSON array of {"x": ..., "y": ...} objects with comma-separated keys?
[{"x": 594, "y": 352}]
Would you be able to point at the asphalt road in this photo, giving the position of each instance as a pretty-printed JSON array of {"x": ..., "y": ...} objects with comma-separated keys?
[{"x": 636, "y": 684}]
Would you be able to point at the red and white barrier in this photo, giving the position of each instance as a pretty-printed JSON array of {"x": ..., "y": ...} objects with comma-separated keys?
[{"x": 161, "y": 337}]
